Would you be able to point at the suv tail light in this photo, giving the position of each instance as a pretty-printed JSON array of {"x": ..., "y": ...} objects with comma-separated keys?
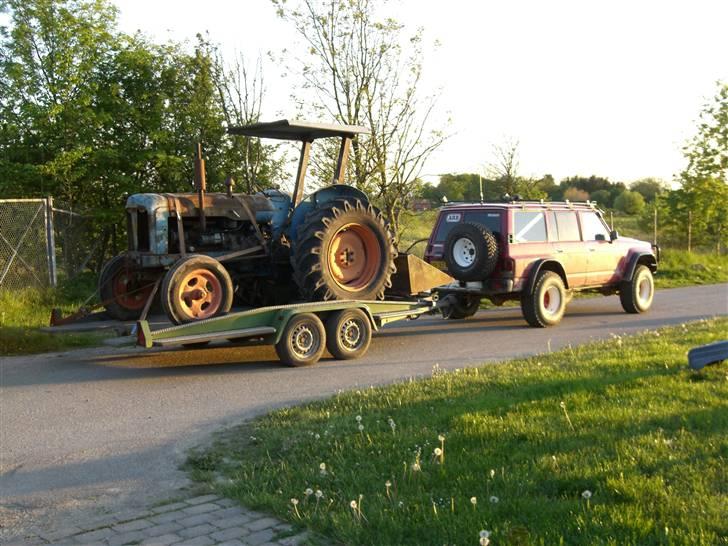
[{"x": 509, "y": 264}]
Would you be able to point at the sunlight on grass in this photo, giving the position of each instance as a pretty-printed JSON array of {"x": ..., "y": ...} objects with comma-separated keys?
[{"x": 611, "y": 443}]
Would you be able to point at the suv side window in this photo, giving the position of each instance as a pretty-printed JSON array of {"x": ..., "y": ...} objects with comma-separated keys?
[
  {"x": 567, "y": 227},
  {"x": 528, "y": 226},
  {"x": 592, "y": 225}
]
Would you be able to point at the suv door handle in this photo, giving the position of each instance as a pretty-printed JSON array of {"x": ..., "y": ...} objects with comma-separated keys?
[
  {"x": 592, "y": 249},
  {"x": 560, "y": 250}
]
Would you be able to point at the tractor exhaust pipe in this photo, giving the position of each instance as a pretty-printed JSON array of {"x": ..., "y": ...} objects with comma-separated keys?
[{"x": 200, "y": 186}]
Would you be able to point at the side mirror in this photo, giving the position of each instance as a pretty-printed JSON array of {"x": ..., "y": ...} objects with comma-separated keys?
[{"x": 613, "y": 235}]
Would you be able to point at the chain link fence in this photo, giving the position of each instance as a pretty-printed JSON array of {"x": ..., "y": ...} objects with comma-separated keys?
[{"x": 41, "y": 242}]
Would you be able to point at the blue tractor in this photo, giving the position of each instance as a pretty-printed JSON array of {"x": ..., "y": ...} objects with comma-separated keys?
[{"x": 201, "y": 250}]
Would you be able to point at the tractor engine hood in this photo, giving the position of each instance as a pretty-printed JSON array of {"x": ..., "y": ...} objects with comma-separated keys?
[{"x": 216, "y": 204}]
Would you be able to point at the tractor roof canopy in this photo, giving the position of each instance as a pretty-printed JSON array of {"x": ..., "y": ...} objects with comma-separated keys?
[{"x": 305, "y": 131}]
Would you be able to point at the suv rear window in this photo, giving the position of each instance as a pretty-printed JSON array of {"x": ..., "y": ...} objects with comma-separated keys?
[
  {"x": 528, "y": 226},
  {"x": 489, "y": 218}
]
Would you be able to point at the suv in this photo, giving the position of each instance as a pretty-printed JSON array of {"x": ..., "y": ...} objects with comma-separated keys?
[{"x": 539, "y": 253}]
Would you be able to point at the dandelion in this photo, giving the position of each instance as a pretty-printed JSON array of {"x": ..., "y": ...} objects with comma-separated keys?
[
  {"x": 438, "y": 451},
  {"x": 586, "y": 494},
  {"x": 473, "y": 500},
  {"x": 441, "y": 437},
  {"x": 492, "y": 473},
  {"x": 308, "y": 492},
  {"x": 322, "y": 469},
  {"x": 566, "y": 414},
  {"x": 358, "y": 418},
  {"x": 494, "y": 499},
  {"x": 317, "y": 436},
  {"x": 392, "y": 424},
  {"x": 484, "y": 538},
  {"x": 416, "y": 467},
  {"x": 360, "y": 427},
  {"x": 294, "y": 502},
  {"x": 401, "y": 504},
  {"x": 387, "y": 484},
  {"x": 319, "y": 494},
  {"x": 353, "y": 505}
]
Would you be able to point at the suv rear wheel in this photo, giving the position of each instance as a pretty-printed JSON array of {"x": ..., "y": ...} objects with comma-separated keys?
[
  {"x": 471, "y": 252},
  {"x": 545, "y": 306},
  {"x": 636, "y": 295}
]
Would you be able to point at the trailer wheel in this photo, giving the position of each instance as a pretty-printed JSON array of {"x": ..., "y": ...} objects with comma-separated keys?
[
  {"x": 124, "y": 288},
  {"x": 303, "y": 341},
  {"x": 196, "y": 287},
  {"x": 348, "y": 334}
]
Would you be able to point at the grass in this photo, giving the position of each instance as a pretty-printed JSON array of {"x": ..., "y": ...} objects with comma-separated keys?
[
  {"x": 677, "y": 268},
  {"x": 26, "y": 310},
  {"x": 524, "y": 443}
]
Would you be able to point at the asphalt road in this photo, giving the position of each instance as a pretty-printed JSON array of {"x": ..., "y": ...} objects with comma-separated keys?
[{"x": 105, "y": 429}]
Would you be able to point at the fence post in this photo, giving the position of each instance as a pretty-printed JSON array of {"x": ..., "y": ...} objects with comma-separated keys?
[
  {"x": 690, "y": 231},
  {"x": 50, "y": 241},
  {"x": 654, "y": 227}
]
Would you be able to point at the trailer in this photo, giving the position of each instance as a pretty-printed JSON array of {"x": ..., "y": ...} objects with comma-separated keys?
[{"x": 300, "y": 332}]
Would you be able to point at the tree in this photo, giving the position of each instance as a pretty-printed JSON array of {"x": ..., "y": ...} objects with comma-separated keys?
[
  {"x": 702, "y": 199},
  {"x": 503, "y": 169},
  {"x": 602, "y": 197},
  {"x": 629, "y": 202},
  {"x": 575, "y": 194},
  {"x": 649, "y": 188},
  {"x": 359, "y": 73}
]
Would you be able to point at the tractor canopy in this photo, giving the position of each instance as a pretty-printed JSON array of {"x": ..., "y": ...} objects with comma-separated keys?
[{"x": 305, "y": 131}]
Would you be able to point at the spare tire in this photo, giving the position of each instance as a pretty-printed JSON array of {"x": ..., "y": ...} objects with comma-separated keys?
[
  {"x": 344, "y": 250},
  {"x": 471, "y": 252}
]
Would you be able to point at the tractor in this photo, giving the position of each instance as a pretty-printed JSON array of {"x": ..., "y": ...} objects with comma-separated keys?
[{"x": 201, "y": 250}]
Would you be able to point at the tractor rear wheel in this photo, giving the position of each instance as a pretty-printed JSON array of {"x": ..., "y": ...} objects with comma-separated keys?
[
  {"x": 124, "y": 289},
  {"x": 344, "y": 250},
  {"x": 197, "y": 287}
]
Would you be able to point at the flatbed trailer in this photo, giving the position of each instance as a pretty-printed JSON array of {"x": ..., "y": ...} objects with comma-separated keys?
[{"x": 300, "y": 332}]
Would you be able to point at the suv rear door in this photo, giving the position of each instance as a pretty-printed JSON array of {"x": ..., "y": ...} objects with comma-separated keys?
[{"x": 568, "y": 247}]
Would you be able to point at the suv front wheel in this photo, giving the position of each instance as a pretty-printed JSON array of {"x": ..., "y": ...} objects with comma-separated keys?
[
  {"x": 636, "y": 294},
  {"x": 545, "y": 306}
]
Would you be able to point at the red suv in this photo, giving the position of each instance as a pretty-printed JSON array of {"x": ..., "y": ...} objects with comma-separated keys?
[{"x": 540, "y": 253}]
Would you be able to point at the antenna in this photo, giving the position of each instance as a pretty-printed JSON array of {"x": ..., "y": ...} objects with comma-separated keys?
[{"x": 480, "y": 182}]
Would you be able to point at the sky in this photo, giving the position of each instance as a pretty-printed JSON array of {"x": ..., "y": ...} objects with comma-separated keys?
[{"x": 606, "y": 88}]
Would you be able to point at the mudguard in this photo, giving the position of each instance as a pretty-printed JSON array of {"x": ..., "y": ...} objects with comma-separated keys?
[
  {"x": 536, "y": 269},
  {"x": 634, "y": 260}
]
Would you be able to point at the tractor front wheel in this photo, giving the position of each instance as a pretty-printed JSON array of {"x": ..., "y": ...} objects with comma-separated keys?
[
  {"x": 124, "y": 288},
  {"x": 197, "y": 287}
]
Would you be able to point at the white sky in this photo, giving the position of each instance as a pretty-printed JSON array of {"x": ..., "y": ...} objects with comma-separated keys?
[{"x": 611, "y": 88}]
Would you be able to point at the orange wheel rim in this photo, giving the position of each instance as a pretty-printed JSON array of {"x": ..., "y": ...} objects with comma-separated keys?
[
  {"x": 200, "y": 294},
  {"x": 127, "y": 290},
  {"x": 354, "y": 257}
]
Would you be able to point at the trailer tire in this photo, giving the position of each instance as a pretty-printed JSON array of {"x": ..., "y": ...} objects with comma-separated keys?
[
  {"x": 124, "y": 289},
  {"x": 344, "y": 250},
  {"x": 196, "y": 287},
  {"x": 302, "y": 341},
  {"x": 348, "y": 334}
]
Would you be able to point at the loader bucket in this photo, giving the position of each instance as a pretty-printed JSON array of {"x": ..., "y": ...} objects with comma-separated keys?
[{"x": 415, "y": 276}]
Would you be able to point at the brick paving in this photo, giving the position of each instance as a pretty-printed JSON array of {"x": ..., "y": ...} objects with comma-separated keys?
[{"x": 206, "y": 520}]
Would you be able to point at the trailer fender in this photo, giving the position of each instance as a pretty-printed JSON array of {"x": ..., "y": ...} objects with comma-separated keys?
[
  {"x": 544, "y": 265},
  {"x": 285, "y": 315}
]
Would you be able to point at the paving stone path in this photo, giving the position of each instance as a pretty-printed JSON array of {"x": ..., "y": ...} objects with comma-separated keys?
[{"x": 200, "y": 521}]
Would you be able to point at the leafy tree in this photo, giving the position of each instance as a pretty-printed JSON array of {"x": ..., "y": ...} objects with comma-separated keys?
[
  {"x": 576, "y": 194},
  {"x": 649, "y": 188},
  {"x": 702, "y": 199},
  {"x": 360, "y": 74},
  {"x": 602, "y": 197},
  {"x": 629, "y": 202}
]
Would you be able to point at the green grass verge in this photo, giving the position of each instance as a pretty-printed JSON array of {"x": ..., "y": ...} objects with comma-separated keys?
[
  {"x": 525, "y": 443},
  {"x": 26, "y": 310}
]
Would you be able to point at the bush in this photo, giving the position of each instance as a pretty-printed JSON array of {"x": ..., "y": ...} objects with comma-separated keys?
[
  {"x": 602, "y": 197},
  {"x": 575, "y": 194},
  {"x": 629, "y": 202}
]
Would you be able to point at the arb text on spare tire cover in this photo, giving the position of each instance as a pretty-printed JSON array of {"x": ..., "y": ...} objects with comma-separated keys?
[
  {"x": 344, "y": 250},
  {"x": 471, "y": 252}
]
